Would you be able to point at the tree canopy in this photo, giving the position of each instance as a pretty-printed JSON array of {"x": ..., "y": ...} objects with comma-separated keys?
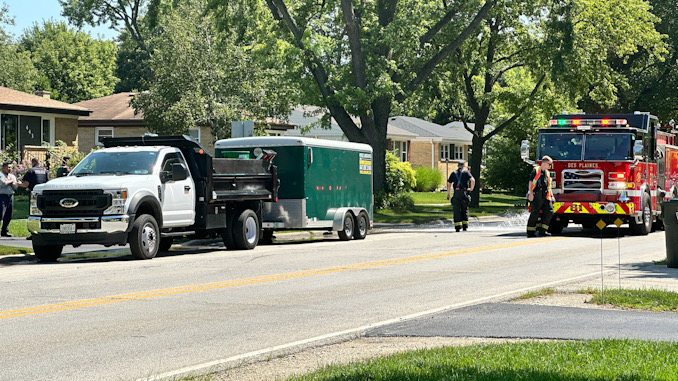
[{"x": 72, "y": 65}]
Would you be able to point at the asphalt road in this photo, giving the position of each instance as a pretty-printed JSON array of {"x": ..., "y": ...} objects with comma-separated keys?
[{"x": 122, "y": 319}]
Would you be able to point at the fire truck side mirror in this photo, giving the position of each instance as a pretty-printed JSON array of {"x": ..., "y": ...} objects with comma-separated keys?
[
  {"x": 525, "y": 150},
  {"x": 638, "y": 149}
]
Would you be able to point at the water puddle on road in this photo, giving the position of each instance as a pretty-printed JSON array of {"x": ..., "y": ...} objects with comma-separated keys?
[{"x": 513, "y": 222}]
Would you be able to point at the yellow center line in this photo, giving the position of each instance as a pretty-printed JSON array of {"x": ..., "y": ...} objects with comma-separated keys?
[{"x": 261, "y": 279}]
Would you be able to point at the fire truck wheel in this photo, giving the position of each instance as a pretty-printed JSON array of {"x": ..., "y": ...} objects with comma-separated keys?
[
  {"x": 246, "y": 230},
  {"x": 346, "y": 233},
  {"x": 360, "y": 226},
  {"x": 49, "y": 253},
  {"x": 556, "y": 227},
  {"x": 645, "y": 226}
]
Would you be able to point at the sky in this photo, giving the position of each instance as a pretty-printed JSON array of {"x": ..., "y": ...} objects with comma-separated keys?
[{"x": 28, "y": 12}]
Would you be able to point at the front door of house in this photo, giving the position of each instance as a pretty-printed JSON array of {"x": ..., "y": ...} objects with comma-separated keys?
[{"x": 30, "y": 131}]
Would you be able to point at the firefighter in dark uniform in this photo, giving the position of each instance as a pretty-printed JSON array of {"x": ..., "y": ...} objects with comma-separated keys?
[
  {"x": 462, "y": 182},
  {"x": 541, "y": 199}
]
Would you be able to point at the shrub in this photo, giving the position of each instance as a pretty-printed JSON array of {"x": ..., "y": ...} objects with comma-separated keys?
[
  {"x": 400, "y": 177},
  {"x": 402, "y": 202},
  {"x": 428, "y": 179}
]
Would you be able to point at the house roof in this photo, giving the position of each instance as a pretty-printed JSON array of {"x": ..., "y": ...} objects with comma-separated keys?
[
  {"x": 19, "y": 101},
  {"x": 113, "y": 110},
  {"x": 424, "y": 129}
]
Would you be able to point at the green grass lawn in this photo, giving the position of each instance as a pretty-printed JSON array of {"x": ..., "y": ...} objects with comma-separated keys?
[
  {"x": 432, "y": 206},
  {"x": 645, "y": 299},
  {"x": 553, "y": 360}
]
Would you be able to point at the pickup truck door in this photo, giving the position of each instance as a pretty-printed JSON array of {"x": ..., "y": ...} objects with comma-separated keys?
[{"x": 177, "y": 197}]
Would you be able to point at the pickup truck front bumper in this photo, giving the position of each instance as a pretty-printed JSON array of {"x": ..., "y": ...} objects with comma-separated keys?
[{"x": 107, "y": 230}]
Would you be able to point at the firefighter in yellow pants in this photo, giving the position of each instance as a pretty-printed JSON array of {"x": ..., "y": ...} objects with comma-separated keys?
[
  {"x": 541, "y": 199},
  {"x": 462, "y": 182}
]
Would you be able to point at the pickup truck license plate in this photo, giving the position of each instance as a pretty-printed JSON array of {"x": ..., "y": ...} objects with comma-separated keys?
[{"x": 67, "y": 228}]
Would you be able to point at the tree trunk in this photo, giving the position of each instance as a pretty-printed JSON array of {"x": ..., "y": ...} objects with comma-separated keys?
[{"x": 475, "y": 161}]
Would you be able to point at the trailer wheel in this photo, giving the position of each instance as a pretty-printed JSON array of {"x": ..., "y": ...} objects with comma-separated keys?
[
  {"x": 144, "y": 239},
  {"x": 47, "y": 253},
  {"x": 165, "y": 243},
  {"x": 346, "y": 233},
  {"x": 645, "y": 226},
  {"x": 246, "y": 230},
  {"x": 360, "y": 226}
]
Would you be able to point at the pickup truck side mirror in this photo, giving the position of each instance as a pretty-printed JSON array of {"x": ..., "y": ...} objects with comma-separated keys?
[{"x": 179, "y": 172}]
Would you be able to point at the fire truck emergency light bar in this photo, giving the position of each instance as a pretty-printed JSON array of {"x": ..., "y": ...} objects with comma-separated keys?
[{"x": 589, "y": 122}]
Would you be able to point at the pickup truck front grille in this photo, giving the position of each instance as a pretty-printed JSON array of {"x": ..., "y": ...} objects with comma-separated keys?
[{"x": 89, "y": 203}]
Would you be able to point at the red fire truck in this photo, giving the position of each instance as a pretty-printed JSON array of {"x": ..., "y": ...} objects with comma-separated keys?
[{"x": 609, "y": 167}]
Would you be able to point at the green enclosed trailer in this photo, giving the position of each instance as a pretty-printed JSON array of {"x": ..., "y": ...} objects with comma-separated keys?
[{"x": 324, "y": 184}]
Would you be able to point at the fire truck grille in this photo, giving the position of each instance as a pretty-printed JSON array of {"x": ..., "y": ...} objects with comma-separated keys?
[{"x": 582, "y": 180}]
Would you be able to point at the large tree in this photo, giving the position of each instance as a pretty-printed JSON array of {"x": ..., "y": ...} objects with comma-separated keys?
[
  {"x": 200, "y": 77},
  {"x": 17, "y": 71},
  {"x": 360, "y": 58},
  {"x": 557, "y": 46},
  {"x": 72, "y": 65}
]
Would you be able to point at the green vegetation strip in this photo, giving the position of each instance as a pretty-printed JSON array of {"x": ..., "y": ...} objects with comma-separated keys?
[
  {"x": 642, "y": 299},
  {"x": 534, "y": 294},
  {"x": 555, "y": 360},
  {"x": 10, "y": 250}
]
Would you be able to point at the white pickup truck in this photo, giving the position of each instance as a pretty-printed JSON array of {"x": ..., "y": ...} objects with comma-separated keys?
[{"x": 146, "y": 191}]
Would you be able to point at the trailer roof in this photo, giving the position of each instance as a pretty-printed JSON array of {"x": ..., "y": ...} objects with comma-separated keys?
[{"x": 286, "y": 141}]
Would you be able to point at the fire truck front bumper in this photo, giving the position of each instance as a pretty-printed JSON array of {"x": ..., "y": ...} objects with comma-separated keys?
[{"x": 593, "y": 208}]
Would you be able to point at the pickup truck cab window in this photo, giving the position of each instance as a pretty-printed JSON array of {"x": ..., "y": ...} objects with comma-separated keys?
[{"x": 116, "y": 163}]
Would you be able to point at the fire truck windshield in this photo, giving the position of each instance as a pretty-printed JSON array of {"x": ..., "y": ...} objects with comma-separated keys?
[{"x": 586, "y": 146}]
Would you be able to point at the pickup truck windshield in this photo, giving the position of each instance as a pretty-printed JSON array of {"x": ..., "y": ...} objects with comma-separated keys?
[
  {"x": 586, "y": 146},
  {"x": 116, "y": 163}
]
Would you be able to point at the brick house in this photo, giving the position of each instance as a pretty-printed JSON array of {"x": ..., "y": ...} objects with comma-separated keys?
[{"x": 31, "y": 120}]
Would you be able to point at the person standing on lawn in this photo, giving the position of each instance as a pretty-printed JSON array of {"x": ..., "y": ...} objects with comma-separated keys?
[
  {"x": 34, "y": 176},
  {"x": 8, "y": 185},
  {"x": 462, "y": 182}
]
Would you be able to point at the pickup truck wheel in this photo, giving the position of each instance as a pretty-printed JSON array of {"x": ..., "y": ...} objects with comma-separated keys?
[
  {"x": 346, "y": 233},
  {"x": 144, "y": 239},
  {"x": 360, "y": 226},
  {"x": 227, "y": 233},
  {"x": 246, "y": 230},
  {"x": 165, "y": 243},
  {"x": 48, "y": 253}
]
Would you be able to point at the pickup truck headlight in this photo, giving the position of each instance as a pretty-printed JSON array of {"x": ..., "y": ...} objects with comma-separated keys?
[
  {"x": 33, "y": 205},
  {"x": 117, "y": 203}
]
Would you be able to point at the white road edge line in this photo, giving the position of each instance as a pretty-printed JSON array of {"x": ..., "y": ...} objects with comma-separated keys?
[{"x": 356, "y": 331}]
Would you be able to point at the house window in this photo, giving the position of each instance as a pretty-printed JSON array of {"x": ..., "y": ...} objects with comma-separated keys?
[
  {"x": 194, "y": 133},
  {"x": 445, "y": 151},
  {"x": 46, "y": 131},
  {"x": 458, "y": 152},
  {"x": 102, "y": 132},
  {"x": 401, "y": 149}
]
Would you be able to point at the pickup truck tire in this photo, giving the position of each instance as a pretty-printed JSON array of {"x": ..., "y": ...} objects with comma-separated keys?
[
  {"x": 165, "y": 243},
  {"x": 360, "y": 226},
  {"x": 227, "y": 233},
  {"x": 246, "y": 230},
  {"x": 144, "y": 239},
  {"x": 346, "y": 233},
  {"x": 47, "y": 253}
]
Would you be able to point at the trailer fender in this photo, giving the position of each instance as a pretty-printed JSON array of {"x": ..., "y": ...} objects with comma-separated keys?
[{"x": 338, "y": 219}]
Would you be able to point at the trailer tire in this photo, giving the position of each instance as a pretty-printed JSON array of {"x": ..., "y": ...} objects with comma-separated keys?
[
  {"x": 246, "y": 230},
  {"x": 645, "y": 227},
  {"x": 360, "y": 226},
  {"x": 144, "y": 239},
  {"x": 346, "y": 232},
  {"x": 47, "y": 253},
  {"x": 165, "y": 243}
]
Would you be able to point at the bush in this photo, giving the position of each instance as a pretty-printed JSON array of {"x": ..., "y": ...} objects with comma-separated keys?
[
  {"x": 402, "y": 202},
  {"x": 400, "y": 177},
  {"x": 428, "y": 179}
]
